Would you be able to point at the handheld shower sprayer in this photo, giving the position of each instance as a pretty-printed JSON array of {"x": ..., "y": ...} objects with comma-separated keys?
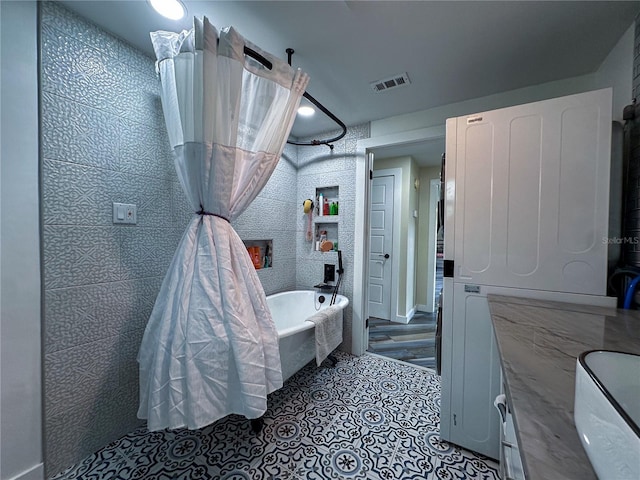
[{"x": 340, "y": 272}]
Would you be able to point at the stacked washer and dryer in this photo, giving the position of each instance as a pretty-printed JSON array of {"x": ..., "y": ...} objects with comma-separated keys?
[{"x": 526, "y": 199}]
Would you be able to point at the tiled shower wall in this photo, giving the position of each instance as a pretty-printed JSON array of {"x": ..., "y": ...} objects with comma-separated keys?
[
  {"x": 103, "y": 140},
  {"x": 320, "y": 167},
  {"x": 272, "y": 216}
]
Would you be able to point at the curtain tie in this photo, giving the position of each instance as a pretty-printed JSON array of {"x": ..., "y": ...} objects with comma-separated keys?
[{"x": 203, "y": 212}]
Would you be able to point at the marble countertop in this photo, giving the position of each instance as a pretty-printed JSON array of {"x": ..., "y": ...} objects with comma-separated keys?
[{"x": 539, "y": 342}]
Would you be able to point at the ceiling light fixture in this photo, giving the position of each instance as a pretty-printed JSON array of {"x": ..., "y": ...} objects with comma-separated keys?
[
  {"x": 171, "y": 9},
  {"x": 306, "y": 111}
]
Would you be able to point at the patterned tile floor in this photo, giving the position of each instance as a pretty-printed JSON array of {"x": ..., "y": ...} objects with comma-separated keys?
[{"x": 367, "y": 418}]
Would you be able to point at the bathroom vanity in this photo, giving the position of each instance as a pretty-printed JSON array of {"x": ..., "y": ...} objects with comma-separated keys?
[{"x": 538, "y": 343}]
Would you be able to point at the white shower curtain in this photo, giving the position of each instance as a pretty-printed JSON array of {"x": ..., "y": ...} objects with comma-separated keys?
[{"x": 210, "y": 347}]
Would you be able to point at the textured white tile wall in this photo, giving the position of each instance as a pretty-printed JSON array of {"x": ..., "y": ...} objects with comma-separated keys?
[
  {"x": 103, "y": 140},
  {"x": 319, "y": 167},
  {"x": 272, "y": 216}
]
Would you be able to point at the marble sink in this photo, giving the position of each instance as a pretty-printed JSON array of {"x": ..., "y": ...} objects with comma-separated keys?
[{"x": 607, "y": 412}]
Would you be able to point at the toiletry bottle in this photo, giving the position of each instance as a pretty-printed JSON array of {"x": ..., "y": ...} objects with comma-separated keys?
[
  {"x": 323, "y": 238},
  {"x": 320, "y": 205},
  {"x": 325, "y": 209},
  {"x": 255, "y": 257}
]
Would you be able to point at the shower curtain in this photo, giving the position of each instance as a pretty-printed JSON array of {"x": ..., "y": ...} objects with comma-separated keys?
[{"x": 210, "y": 347}]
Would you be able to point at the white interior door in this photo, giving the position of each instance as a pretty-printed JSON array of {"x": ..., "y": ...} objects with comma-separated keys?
[{"x": 381, "y": 246}]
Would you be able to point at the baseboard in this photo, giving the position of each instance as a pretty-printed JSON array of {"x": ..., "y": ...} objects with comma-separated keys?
[
  {"x": 411, "y": 313},
  {"x": 34, "y": 473},
  {"x": 424, "y": 308},
  {"x": 405, "y": 320},
  {"x": 400, "y": 319}
]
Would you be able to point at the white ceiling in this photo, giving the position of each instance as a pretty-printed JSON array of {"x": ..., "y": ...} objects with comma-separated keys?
[{"x": 451, "y": 50}]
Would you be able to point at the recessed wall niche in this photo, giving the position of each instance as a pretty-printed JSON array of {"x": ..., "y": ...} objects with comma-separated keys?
[
  {"x": 326, "y": 220},
  {"x": 261, "y": 252}
]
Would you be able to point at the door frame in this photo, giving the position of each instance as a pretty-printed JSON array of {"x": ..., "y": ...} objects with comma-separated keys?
[
  {"x": 396, "y": 173},
  {"x": 434, "y": 197},
  {"x": 364, "y": 164}
]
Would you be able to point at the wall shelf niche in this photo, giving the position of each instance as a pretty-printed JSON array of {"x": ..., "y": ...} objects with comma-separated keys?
[
  {"x": 327, "y": 219},
  {"x": 326, "y": 226},
  {"x": 262, "y": 257}
]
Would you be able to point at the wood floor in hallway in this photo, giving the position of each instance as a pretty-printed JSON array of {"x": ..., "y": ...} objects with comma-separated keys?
[{"x": 412, "y": 343}]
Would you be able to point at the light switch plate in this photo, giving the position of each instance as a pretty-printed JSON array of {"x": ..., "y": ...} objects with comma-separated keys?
[{"x": 125, "y": 213}]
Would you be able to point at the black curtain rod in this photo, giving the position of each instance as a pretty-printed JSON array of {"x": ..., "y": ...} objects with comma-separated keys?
[
  {"x": 255, "y": 55},
  {"x": 332, "y": 117},
  {"x": 260, "y": 58}
]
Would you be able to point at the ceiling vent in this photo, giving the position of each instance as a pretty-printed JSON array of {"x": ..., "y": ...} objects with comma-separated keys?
[{"x": 396, "y": 81}]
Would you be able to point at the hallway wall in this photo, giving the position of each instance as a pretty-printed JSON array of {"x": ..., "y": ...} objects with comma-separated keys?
[
  {"x": 425, "y": 259},
  {"x": 20, "y": 310}
]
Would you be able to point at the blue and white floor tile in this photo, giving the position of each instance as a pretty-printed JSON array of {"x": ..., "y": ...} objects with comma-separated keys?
[{"x": 368, "y": 418}]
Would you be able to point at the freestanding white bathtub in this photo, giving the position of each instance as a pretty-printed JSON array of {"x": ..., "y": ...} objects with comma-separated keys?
[{"x": 296, "y": 336}]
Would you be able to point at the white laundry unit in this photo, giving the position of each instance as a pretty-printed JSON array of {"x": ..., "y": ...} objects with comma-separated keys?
[{"x": 526, "y": 214}]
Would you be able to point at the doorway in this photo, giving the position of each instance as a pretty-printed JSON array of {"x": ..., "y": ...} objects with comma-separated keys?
[
  {"x": 366, "y": 149},
  {"x": 408, "y": 333}
]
